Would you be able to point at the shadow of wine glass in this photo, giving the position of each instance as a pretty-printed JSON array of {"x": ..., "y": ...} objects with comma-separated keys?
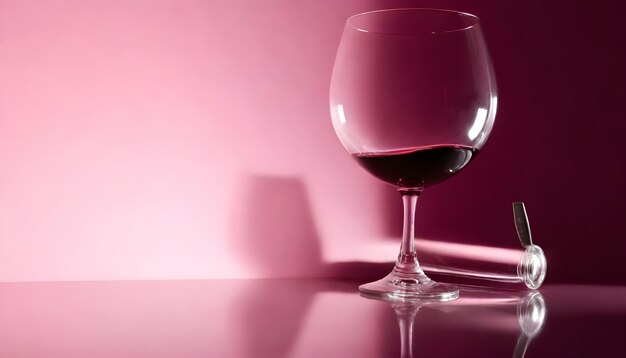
[{"x": 273, "y": 231}]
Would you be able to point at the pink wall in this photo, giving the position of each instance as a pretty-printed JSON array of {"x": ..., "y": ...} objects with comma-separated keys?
[
  {"x": 191, "y": 139},
  {"x": 163, "y": 139}
]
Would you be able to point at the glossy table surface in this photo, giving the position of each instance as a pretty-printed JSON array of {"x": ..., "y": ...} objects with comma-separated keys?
[{"x": 303, "y": 318}]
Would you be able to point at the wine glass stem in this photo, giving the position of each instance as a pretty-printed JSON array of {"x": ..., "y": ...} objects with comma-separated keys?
[{"x": 407, "y": 259}]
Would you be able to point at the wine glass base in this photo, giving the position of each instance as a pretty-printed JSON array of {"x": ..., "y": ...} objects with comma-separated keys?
[{"x": 397, "y": 286}]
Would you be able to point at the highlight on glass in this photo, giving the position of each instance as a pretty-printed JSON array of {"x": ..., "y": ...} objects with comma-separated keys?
[{"x": 413, "y": 99}]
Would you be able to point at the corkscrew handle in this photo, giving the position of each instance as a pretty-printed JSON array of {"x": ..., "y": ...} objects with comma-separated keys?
[{"x": 521, "y": 224}]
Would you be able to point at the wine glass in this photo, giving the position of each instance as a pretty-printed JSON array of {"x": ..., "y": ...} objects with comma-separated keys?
[{"x": 413, "y": 100}]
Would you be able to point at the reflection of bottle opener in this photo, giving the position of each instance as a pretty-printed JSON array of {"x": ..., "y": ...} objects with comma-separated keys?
[
  {"x": 525, "y": 266},
  {"x": 531, "y": 314}
]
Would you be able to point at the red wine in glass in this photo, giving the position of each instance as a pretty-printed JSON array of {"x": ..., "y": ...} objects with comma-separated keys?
[{"x": 417, "y": 167}]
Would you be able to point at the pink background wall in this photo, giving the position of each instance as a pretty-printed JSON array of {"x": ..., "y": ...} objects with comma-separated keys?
[{"x": 191, "y": 139}]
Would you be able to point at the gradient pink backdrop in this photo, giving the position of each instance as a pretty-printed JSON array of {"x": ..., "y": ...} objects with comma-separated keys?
[{"x": 191, "y": 139}]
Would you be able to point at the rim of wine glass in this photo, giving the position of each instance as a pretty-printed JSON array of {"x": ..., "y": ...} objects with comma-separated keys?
[{"x": 422, "y": 9}]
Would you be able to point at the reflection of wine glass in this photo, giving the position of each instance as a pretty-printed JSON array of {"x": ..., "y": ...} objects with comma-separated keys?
[
  {"x": 413, "y": 99},
  {"x": 479, "y": 309}
]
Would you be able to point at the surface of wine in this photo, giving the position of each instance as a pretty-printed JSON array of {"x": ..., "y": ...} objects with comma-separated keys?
[{"x": 419, "y": 167}]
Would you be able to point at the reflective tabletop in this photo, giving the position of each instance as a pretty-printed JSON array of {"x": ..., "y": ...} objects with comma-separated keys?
[{"x": 303, "y": 318}]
